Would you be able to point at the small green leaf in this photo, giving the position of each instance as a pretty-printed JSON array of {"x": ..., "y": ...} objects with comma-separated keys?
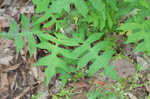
[
  {"x": 129, "y": 26},
  {"x": 41, "y": 5},
  {"x": 31, "y": 43},
  {"x": 13, "y": 27},
  {"x": 50, "y": 23},
  {"x": 81, "y": 7},
  {"x": 145, "y": 3},
  {"x": 25, "y": 23},
  {"x": 110, "y": 21},
  {"x": 113, "y": 4},
  {"x": 59, "y": 5},
  {"x": 19, "y": 43},
  {"x": 110, "y": 71},
  {"x": 139, "y": 32},
  {"x": 98, "y": 5},
  {"x": 49, "y": 72},
  {"x": 80, "y": 50}
]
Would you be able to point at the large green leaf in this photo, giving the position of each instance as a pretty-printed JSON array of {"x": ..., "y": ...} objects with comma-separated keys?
[
  {"x": 98, "y": 5},
  {"x": 19, "y": 43},
  {"x": 83, "y": 48},
  {"x": 112, "y": 4},
  {"x": 103, "y": 62},
  {"x": 81, "y": 7},
  {"x": 92, "y": 54},
  {"x": 42, "y": 5}
]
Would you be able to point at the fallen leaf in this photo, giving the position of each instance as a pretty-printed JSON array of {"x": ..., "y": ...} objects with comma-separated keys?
[
  {"x": 97, "y": 82},
  {"x": 77, "y": 85}
]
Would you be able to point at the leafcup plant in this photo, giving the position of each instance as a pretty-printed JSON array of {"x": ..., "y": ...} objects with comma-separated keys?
[{"x": 96, "y": 22}]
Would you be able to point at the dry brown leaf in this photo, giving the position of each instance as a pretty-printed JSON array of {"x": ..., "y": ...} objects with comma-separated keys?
[
  {"x": 10, "y": 68},
  {"x": 12, "y": 80},
  {"x": 97, "y": 82},
  {"x": 80, "y": 84},
  {"x": 4, "y": 22},
  {"x": 4, "y": 44},
  {"x": 3, "y": 82}
]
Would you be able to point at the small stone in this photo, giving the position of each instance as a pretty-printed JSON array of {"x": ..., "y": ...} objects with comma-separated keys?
[{"x": 124, "y": 68}]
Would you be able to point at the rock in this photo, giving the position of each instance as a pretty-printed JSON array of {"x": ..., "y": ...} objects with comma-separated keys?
[
  {"x": 44, "y": 95},
  {"x": 124, "y": 68},
  {"x": 143, "y": 62},
  {"x": 5, "y": 57},
  {"x": 6, "y": 3},
  {"x": 5, "y": 60},
  {"x": 131, "y": 96},
  {"x": 57, "y": 87},
  {"x": 43, "y": 90}
]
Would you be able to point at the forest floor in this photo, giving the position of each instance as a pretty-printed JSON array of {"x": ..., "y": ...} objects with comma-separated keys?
[{"x": 20, "y": 80}]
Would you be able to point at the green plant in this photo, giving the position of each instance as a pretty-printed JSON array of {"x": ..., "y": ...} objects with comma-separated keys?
[
  {"x": 98, "y": 94},
  {"x": 148, "y": 97},
  {"x": 86, "y": 53},
  {"x": 139, "y": 27},
  {"x": 92, "y": 40},
  {"x": 36, "y": 96},
  {"x": 78, "y": 75},
  {"x": 119, "y": 88},
  {"x": 105, "y": 9},
  {"x": 63, "y": 93},
  {"x": 54, "y": 63},
  {"x": 26, "y": 33},
  {"x": 94, "y": 94},
  {"x": 140, "y": 31}
]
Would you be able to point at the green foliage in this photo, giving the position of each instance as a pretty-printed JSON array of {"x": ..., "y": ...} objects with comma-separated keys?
[
  {"x": 138, "y": 26},
  {"x": 59, "y": 6},
  {"x": 78, "y": 75},
  {"x": 105, "y": 11},
  {"x": 95, "y": 23},
  {"x": 102, "y": 12},
  {"x": 86, "y": 53},
  {"x": 140, "y": 31},
  {"x": 26, "y": 33},
  {"x": 36, "y": 96},
  {"x": 97, "y": 94},
  {"x": 53, "y": 62},
  {"x": 148, "y": 97},
  {"x": 63, "y": 93}
]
